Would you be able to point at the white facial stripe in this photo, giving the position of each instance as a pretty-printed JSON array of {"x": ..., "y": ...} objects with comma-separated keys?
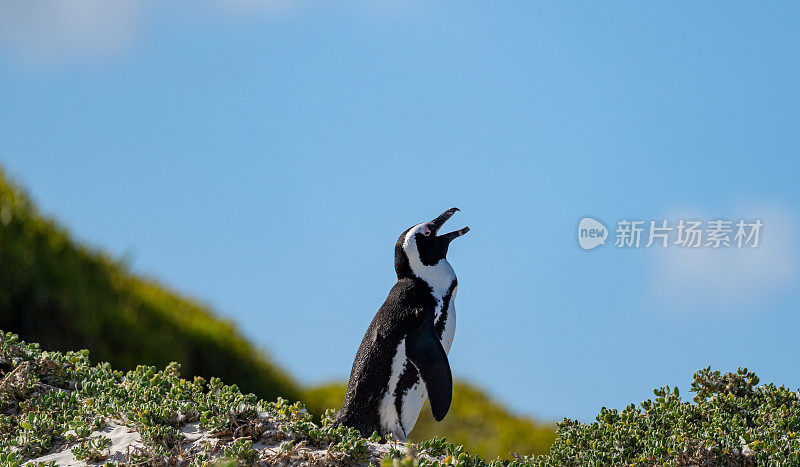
[
  {"x": 419, "y": 228},
  {"x": 438, "y": 276}
]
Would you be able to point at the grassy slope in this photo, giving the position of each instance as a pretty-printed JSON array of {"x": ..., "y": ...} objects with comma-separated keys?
[{"x": 65, "y": 296}]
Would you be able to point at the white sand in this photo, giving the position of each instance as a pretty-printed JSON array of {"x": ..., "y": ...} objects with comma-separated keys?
[
  {"x": 123, "y": 439},
  {"x": 126, "y": 440}
]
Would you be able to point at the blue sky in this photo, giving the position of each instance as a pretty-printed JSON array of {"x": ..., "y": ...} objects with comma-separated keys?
[{"x": 265, "y": 156}]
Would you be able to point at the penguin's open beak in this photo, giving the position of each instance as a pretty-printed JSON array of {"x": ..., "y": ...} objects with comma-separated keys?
[{"x": 437, "y": 224}]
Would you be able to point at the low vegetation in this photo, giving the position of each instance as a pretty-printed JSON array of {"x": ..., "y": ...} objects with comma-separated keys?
[
  {"x": 53, "y": 402},
  {"x": 58, "y": 402},
  {"x": 730, "y": 421}
]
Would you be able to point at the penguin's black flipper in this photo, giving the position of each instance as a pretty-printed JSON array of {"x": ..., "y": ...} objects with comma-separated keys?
[{"x": 425, "y": 351}]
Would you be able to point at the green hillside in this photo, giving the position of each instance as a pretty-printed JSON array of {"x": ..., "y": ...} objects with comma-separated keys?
[{"x": 66, "y": 296}]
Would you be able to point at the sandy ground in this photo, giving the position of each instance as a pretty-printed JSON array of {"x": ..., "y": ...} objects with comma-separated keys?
[
  {"x": 123, "y": 440},
  {"x": 126, "y": 441}
]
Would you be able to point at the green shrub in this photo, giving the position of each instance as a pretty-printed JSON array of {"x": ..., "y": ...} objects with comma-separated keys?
[
  {"x": 45, "y": 394},
  {"x": 92, "y": 450},
  {"x": 731, "y": 421}
]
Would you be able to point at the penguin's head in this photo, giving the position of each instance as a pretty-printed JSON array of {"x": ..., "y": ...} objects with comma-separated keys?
[{"x": 421, "y": 246}]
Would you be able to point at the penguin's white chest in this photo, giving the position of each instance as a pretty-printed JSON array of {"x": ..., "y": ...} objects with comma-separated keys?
[{"x": 449, "y": 322}]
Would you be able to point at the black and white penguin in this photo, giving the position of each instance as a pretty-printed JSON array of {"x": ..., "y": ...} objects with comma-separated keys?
[{"x": 403, "y": 356}]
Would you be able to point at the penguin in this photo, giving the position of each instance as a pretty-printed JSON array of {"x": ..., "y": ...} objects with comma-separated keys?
[{"x": 403, "y": 355}]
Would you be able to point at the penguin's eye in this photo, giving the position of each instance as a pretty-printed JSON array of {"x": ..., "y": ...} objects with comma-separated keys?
[{"x": 426, "y": 231}]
